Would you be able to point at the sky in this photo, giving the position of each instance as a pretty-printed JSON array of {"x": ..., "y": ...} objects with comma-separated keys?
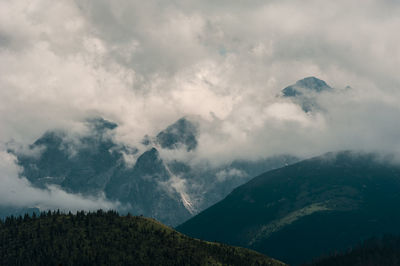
[{"x": 145, "y": 64}]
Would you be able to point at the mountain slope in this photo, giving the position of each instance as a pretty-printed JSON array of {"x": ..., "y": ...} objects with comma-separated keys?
[
  {"x": 307, "y": 209},
  {"x": 142, "y": 187},
  {"x": 109, "y": 239}
]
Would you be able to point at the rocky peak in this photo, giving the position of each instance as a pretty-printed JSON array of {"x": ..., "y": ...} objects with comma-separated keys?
[
  {"x": 311, "y": 84},
  {"x": 180, "y": 134}
]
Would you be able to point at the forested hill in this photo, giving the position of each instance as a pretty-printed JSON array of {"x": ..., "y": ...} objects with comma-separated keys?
[
  {"x": 105, "y": 238},
  {"x": 374, "y": 251}
]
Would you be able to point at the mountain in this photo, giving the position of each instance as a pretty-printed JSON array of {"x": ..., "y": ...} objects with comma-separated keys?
[
  {"x": 181, "y": 133},
  {"x": 105, "y": 238},
  {"x": 307, "y": 209},
  {"x": 94, "y": 164},
  {"x": 307, "y": 84},
  {"x": 170, "y": 191},
  {"x": 304, "y": 92},
  {"x": 146, "y": 189}
]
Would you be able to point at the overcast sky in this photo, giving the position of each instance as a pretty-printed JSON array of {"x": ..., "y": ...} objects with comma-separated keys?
[{"x": 145, "y": 64}]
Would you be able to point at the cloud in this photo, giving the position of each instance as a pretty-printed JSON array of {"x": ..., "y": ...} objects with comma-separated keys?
[
  {"x": 17, "y": 192},
  {"x": 145, "y": 65},
  {"x": 226, "y": 174}
]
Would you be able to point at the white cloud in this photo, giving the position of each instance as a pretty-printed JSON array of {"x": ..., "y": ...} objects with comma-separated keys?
[
  {"x": 229, "y": 173},
  {"x": 144, "y": 65}
]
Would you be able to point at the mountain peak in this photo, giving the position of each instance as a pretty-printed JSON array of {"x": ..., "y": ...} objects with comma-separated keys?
[
  {"x": 313, "y": 83},
  {"x": 308, "y": 83},
  {"x": 99, "y": 124},
  {"x": 181, "y": 133}
]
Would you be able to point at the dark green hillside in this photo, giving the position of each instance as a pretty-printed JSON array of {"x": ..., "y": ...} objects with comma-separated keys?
[
  {"x": 375, "y": 251},
  {"x": 105, "y": 238},
  {"x": 307, "y": 209}
]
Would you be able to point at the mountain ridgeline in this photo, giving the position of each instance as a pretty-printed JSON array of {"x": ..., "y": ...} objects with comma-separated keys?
[
  {"x": 105, "y": 238},
  {"x": 302, "y": 211}
]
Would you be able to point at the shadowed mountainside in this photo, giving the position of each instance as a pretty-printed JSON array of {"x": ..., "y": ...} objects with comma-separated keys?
[{"x": 307, "y": 209}]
